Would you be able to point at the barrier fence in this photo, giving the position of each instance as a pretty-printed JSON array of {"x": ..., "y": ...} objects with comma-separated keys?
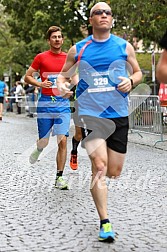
[
  {"x": 26, "y": 103},
  {"x": 145, "y": 115}
]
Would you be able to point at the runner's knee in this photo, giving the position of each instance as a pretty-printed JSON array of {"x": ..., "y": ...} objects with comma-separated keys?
[
  {"x": 114, "y": 172},
  {"x": 42, "y": 143},
  {"x": 63, "y": 143},
  {"x": 99, "y": 166}
]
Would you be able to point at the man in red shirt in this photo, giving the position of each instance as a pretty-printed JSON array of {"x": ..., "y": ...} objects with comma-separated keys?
[{"x": 53, "y": 111}]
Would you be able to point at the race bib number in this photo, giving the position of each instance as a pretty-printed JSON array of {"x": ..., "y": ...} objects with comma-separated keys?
[
  {"x": 100, "y": 82},
  {"x": 53, "y": 79}
]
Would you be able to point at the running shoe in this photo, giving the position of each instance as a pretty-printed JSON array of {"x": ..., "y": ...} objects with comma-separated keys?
[
  {"x": 73, "y": 162},
  {"x": 34, "y": 156},
  {"x": 106, "y": 233},
  {"x": 61, "y": 184}
]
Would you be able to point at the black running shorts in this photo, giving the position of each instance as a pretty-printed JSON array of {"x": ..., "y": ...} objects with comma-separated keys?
[
  {"x": 113, "y": 130},
  {"x": 1, "y": 99}
]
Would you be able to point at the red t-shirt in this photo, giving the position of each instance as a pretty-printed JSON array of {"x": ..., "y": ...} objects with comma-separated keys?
[{"x": 49, "y": 66}]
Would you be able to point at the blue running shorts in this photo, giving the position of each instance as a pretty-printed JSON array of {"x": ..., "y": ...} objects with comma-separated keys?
[{"x": 53, "y": 116}]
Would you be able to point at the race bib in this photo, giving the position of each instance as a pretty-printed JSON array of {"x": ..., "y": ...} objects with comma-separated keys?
[
  {"x": 53, "y": 79},
  {"x": 100, "y": 82}
]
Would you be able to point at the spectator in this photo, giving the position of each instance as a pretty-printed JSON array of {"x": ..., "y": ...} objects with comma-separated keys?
[
  {"x": 3, "y": 89},
  {"x": 30, "y": 93},
  {"x": 18, "y": 93},
  {"x": 12, "y": 99}
]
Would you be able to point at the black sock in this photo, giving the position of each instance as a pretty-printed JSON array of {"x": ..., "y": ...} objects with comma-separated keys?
[
  {"x": 40, "y": 150},
  {"x": 104, "y": 222},
  {"x": 59, "y": 174},
  {"x": 75, "y": 144}
]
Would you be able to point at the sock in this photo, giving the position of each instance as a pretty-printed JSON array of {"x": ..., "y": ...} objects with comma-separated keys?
[
  {"x": 59, "y": 174},
  {"x": 40, "y": 150},
  {"x": 104, "y": 222},
  {"x": 75, "y": 144}
]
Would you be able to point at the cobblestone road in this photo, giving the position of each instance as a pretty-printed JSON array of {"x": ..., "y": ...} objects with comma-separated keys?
[{"x": 36, "y": 217}]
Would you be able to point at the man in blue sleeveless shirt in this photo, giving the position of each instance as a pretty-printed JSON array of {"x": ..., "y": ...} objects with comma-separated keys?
[{"x": 107, "y": 71}]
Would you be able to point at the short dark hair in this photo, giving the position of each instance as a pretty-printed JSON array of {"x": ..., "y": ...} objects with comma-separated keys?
[
  {"x": 163, "y": 41},
  {"x": 51, "y": 30}
]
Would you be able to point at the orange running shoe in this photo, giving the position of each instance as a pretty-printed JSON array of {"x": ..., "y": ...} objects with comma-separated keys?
[{"x": 73, "y": 162}]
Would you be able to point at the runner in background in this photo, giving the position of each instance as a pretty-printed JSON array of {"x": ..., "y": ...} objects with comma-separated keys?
[
  {"x": 77, "y": 137},
  {"x": 53, "y": 111}
]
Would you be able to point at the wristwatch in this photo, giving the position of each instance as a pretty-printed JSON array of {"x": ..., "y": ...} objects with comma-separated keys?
[{"x": 131, "y": 82}]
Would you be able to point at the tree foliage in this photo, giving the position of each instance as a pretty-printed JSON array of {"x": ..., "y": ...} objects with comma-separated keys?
[
  {"x": 27, "y": 21},
  {"x": 141, "y": 18},
  {"x": 9, "y": 47}
]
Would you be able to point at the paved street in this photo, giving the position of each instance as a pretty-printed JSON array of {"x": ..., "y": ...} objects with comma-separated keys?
[{"x": 36, "y": 217}]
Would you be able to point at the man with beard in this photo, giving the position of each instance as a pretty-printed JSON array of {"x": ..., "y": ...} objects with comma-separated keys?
[{"x": 53, "y": 111}]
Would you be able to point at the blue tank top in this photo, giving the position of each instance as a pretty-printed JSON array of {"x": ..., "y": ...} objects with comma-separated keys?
[
  {"x": 2, "y": 86},
  {"x": 100, "y": 64}
]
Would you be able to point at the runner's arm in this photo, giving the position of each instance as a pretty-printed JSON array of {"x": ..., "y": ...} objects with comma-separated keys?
[
  {"x": 68, "y": 74},
  {"x": 136, "y": 75},
  {"x": 31, "y": 80},
  {"x": 134, "y": 70}
]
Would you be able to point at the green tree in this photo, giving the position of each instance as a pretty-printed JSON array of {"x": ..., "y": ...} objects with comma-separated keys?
[
  {"x": 141, "y": 18},
  {"x": 29, "y": 20},
  {"x": 9, "y": 48}
]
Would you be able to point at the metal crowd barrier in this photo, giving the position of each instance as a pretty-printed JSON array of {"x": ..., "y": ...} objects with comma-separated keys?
[
  {"x": 22, "y": 102},
  {"x": 145, "y": 115}
]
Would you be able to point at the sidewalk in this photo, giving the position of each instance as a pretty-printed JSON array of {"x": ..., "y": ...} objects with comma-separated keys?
[
  {"x": 36, "y": 217},
  {"x": 155, "y": 141}
]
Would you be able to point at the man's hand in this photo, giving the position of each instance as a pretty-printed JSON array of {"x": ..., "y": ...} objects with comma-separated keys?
[
  {"x": 125, "y": 85},
  {"x": 65, "y": 90},
  {"x": 46, "y": 84}
]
